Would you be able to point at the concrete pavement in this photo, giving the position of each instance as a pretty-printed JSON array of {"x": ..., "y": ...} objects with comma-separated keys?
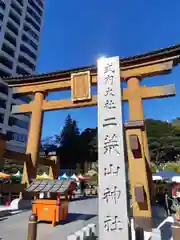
[{"x": 81, "y": 212}]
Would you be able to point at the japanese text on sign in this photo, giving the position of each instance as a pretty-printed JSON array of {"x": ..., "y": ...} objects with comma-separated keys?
[{"x": 113, "y": 214}]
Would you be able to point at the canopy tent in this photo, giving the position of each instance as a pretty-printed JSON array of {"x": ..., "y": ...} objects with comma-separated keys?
[
  {"x": 81, "y": 177},
  {"x": 63, "y": 177},
  {"x": 43, "y": 176},
  {"x": 176, "y": 179},
  {"x": 74, "y": 177},
  {"x": 4, "y": 176},
  {"x": 18, "y": 174},
  {"x": 157, "y": 178},
  {"x": 166, "y": 175}
]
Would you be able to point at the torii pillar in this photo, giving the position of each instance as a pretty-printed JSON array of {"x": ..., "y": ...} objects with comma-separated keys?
[
  {"x": 136, "y": 137},
  {"x": 34, "y": 137}
]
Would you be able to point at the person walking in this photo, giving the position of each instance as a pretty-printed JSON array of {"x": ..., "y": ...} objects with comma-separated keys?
[{"x": 167, "y": 203}]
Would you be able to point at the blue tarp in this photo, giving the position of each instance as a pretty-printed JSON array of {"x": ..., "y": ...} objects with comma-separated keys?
[{"x": 166, "y": 174}]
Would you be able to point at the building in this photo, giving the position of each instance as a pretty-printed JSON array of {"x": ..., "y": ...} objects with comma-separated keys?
[{"x": 20, "y": 32}]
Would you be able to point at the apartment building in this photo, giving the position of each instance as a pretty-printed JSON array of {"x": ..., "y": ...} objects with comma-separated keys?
[{"x": 20, "y": 32}]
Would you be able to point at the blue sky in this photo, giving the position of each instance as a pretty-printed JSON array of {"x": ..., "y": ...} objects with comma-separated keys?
[{"x": 77, "y": 33}]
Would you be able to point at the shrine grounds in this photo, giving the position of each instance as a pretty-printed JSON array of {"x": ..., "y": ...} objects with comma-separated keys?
[{"x": 81, "y": 212}]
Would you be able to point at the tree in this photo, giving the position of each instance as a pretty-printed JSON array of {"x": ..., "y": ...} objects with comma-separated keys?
[
  {"x": 164, "y": 140},
  {"x": 69, "y": 143},
  {"x": 70, "y": 133},
  {"x": 88, "y": 140}
]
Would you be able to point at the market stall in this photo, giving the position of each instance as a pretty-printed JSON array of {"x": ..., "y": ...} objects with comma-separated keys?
[
  {"x": 64, "y": 177},
  {"x": 166, "y": 180},
  {"x": 5, "y": 198},
  {"x": 44, "y": 176},
  {"x": 51, "y": 207}
]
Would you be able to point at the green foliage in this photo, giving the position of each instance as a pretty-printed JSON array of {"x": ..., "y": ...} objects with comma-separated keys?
[
  {"x": 69, "y": 144},
  {"x": 70, "y": 133},
  {"x": 75, "y": 147},
  {"x": 88, "y": 139},
  {"x": 164, "y": 140},
  {"x": 175, "y": 167},
  {"x": 94, "y": 179}
]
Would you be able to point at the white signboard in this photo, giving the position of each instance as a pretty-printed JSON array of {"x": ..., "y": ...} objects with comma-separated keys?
[{"x": 113, "y": 214}]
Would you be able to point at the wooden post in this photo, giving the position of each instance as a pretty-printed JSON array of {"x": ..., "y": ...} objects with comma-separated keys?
[
  {"x": 32, "y": 227},
  {"x": 139, "y": 233},
  {"x": 33, "y": 144},
  {"x": 139, "y": 182},
  {"x": 136, "y": 112}
]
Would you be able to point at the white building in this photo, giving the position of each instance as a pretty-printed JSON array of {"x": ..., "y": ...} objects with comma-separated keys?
[{"x": 20, "y": 32}]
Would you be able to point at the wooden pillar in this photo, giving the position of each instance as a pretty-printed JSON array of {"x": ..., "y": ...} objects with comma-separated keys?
[
  {"x": 33, "y": 144},
  {"x": 136, "y": 112}
]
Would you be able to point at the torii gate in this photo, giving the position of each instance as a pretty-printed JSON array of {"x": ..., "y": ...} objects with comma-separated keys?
[{"x": 79, "y": 81}]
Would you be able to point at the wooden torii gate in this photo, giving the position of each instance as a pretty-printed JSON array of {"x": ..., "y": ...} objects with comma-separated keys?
[{"x": 79, "y": 81}]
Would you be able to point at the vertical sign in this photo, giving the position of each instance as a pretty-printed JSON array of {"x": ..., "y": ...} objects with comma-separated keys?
[{"x": 113, "y": 213}]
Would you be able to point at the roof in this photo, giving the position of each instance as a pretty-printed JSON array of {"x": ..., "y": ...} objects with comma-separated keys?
[
  {"x": 49, "y": 186},
  {"x": 172, "y": 51}
]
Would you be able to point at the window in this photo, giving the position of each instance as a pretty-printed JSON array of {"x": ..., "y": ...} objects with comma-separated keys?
[
  {"x": 19, "y": 137},
  {"x": 10, "y": 39},
  {"x": 2, "y": 103},
  {"x": 8, "y": 50},
  {"x": 31, "y": 32},
  {"x": 19, "y": 123},
  {"x": 21, "y": 71},
  {"x": 14, "y": 17},
  {"x": 4, "y": 73},
  {"x": 23, "y": 60},
  {"x": 2, "y": 5},
  {"x": 34, "y": 15},
  {"x": 26, "y": 50},
  {"x": 40, "y": 3},
  {"x": 9, "y": 135},
  {"x": 29, "y": 41},
  {"x": 20, "y": 2},
  {"x": 1, "y": 17},
  {"x": 4, "y": 88},
  {"x": 11, "y": 27},
  {"x": 32, "y": 23},
  {"x": 16, "y": 8},
  {"x": 23, "y": 98},
  {"x": 6, "y": 62},
  {"x": 32, "y": 3},
  {"x": 1, "y": 118}
]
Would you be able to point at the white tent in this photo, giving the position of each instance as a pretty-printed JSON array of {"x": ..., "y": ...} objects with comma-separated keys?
[
  {"x": 63, "y": 177},
  {"x": 18, "y": 174},
  {"x": 157, "y": 178},
  {"x": 74, "y": 177},
  {"x": 176, "y": 179}
]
